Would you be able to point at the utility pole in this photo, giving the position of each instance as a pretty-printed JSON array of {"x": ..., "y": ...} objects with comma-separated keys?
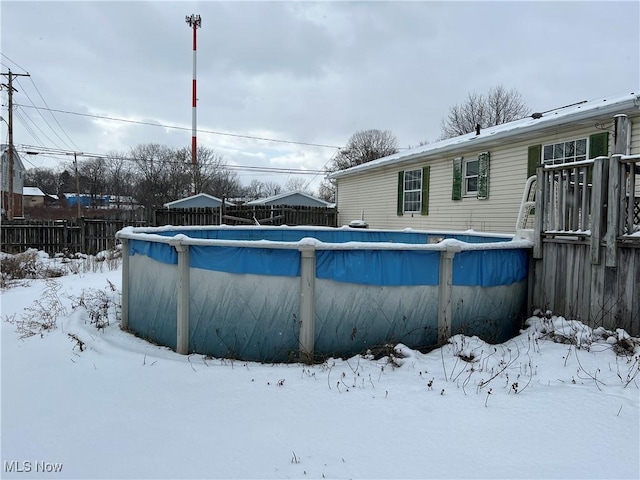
[
  {"x": 195, "y": 22},
  {"x": 10, "y": 152},
  {"x": 75, "y": 166}
]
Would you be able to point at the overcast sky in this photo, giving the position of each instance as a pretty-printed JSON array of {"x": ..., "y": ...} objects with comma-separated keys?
[{"x": 297, "y": 71}]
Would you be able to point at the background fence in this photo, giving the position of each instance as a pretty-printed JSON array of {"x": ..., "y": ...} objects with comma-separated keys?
[
  {"x": 92, "y": 235},
  {"x": 248, "y": 215}
]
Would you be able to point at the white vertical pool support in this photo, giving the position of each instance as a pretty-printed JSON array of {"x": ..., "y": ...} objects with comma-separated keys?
[
  {"x": 183, "y": 294},
  {"x": 445, "y": 292},
  {"x": 124, "y": 297},
  {"x": 307, "y": 319}
]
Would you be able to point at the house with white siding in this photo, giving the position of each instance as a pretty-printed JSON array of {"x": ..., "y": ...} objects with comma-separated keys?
[{"x": 476, "y": 181}]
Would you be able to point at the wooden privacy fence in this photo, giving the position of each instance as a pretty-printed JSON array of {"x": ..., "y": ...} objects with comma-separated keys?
[
  {"x": 91, "y": 236},
  {"x": 76, "y": 235},
  {"x": 249, "y": 215},
  {"x": 587, "y": 243}
]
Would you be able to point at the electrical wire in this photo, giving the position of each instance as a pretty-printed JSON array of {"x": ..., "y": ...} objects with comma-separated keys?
[
  {"x": 27, "y": 127},
  {"x": 13, "y": 62},
  {"x": 52, "y": 115},
  {"x": 43, "y": 118},
  {"x": 175, "y": 127},
  {"x": 35, "y": 124},
  {"x": 53, "y": 153}
]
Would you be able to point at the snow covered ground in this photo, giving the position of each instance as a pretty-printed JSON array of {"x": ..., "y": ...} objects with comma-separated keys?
[{"x": 86, "y": 399}]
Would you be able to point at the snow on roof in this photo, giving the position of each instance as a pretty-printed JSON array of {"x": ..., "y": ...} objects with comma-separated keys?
[
  {"x": 32, "y": 192},
  {"x": 199, "y": 195},
  {"x": 538, "y": 121},
  {"x": 261, "y": 201}
]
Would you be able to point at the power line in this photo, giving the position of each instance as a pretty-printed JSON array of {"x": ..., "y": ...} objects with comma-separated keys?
[
  {"x": 53, "y": 116},
  {"x": 51, "y": 153},
  {"x": 137, "y": 122},
  {"x": 45, "y": 102},
  {"x": 42, "y": 116},
  {"x": 24, "y": 70},
  {"x": 27, "y": 127}
]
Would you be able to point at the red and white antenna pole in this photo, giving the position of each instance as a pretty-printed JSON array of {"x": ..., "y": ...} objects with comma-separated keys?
[{"x": 195, "y": 22}]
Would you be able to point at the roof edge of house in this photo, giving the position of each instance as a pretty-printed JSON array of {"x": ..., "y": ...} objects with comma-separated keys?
[{"x": 630, "y": 102}]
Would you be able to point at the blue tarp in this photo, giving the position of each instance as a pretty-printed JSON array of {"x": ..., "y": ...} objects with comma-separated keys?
[
  {"x": 259, "y": 261},
  {"x": 379, "y": 267},
  {"x": 160, "y": 252},
  {"x": 490, "y": 268},
  {"x": 484, "y": 268}
]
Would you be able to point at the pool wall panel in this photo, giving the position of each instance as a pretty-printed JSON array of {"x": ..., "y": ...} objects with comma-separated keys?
[
  {"x": 353, "y": 318},
  {"x": 244, "y": 315},
  {"x": 153, "y": 300}
]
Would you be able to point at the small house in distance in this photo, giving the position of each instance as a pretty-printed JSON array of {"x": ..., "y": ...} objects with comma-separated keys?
[
  {"x": 34, "y": 197},
  {"x": 291, "y": 199},
  {"x": 201, "y": 200}
]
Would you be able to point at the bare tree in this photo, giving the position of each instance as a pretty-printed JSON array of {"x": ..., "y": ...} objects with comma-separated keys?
[
  {"x": 327, "y": 191},
  {"x": 153, "y": 185},
  {"x": 297, "y": 184},
  {"x": 253, "y": 191},
  {"x": 119, "y": 176},
  {"x": 209, "y": 174},
  {"x": 46, "y": 179},
  {"x": 93, "y": 175},
  {"x": 364, "y": 146},
  {"x": 269, "y": 189},
  {"x": 498, "y": 106}
]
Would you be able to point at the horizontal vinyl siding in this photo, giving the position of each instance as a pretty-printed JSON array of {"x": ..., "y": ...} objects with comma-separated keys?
[
  {"x": 371, "y": 196},
  {"x": 375, "y": 191},
  {"x": 635, "y": 135}
]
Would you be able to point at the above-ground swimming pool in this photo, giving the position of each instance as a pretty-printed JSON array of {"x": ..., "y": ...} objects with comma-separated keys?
[{"x": 275, "y": 294}]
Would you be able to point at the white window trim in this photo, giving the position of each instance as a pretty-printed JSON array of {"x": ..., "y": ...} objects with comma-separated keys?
[
  {"x": 405, "y": 191},
  {"x": 465, "y": 162},
  {"x": 552, "y": 162}
]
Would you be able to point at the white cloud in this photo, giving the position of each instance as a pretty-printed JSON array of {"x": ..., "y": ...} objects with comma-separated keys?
[{"x": 306, "y": 72}]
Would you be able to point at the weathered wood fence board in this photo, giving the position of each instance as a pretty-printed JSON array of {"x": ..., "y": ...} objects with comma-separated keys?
[
  {"x": 91, "y": 236},
  {"x": 249, "y": 215}
]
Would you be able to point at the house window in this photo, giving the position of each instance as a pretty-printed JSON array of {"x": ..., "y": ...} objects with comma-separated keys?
[
  {"x": 470, "y": 173},
  {"x": 412, "y": 191},
  {"x": 565, "y": 152},
  {"x": 471, "y": 177}
]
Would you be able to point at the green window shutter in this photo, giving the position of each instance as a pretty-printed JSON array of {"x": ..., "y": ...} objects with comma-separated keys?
[
  {"x": 456, "y": 193},
  {"x": 483, "y": 176},
  {"x": 599, "y": 145},
  {"x": 400, "y": 193},
  {"x": 424, "y": 207},
  {"x": 535, "y": 157}
]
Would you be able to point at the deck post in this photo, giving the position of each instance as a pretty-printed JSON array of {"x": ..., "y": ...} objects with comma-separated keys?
[
  {"x": 445, "y": 291},
  {"x": 183, "y": 294},
  {"x": 124, "y": 297},
  {"x": 615, "y": 204},
  {"x": 599, "y": 189},
  {"x": 538, "y": 229},
  {"x": 307, "y": 319}
]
